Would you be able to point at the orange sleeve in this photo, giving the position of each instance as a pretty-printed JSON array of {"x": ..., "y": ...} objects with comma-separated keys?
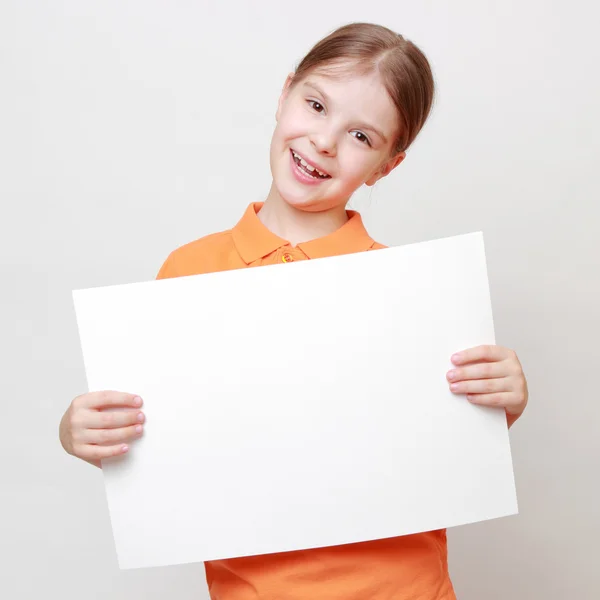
[
  {"x": 377, "y": 246},
  {"x": 168, "y": 269}
]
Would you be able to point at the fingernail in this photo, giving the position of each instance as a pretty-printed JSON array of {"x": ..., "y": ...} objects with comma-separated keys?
[
  {"x": 124, "y": 449},
  {"x": 451, "y": 374},
  {"x": 455, "y": 357},
  {"x": 137, "y": 401},
  {"x": 140, "y": 417},
  {"x": 138, "y": 429},
  {"x": 454, "y": 386}
]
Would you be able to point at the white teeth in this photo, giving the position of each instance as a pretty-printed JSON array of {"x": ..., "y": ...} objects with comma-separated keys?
[{"x": 307, "y": 166}]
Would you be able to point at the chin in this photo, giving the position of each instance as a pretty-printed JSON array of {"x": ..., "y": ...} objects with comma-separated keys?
[
  {"x": 305, "y": 200},
  {"x": 306, "y": 203}
]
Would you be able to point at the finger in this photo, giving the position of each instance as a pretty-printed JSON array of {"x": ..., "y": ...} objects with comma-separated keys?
[
  {"x": 112, "y": 436},
  {"x": 491, "y": 370},
  {"x": 486, "y": 353},
  {"x": 499, "y": 400},
  {"x": 481, "y": 386},
  {"x": 109, "y": 398},
  {"x": 92, "y": 452},
  {"x": 113, "y": 419}
]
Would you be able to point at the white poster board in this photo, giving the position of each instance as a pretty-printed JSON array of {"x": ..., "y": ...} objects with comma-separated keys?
[{"x": 298, "y": 405}]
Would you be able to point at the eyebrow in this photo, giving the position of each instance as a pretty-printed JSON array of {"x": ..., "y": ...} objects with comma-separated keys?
[{"x": 327, "y": 99}]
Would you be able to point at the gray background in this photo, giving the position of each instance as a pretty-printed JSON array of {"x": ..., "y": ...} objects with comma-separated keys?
[{"x": 130, "y": 128}]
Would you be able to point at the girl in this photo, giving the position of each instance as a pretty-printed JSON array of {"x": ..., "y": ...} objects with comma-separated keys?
[{"x": 345, "y": 118}]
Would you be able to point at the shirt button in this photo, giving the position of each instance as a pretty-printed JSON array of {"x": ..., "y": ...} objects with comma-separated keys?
[{"x": 287, "y": 257}]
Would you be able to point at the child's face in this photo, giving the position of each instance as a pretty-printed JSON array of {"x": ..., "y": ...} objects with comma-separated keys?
[{"x": 344, "y": 127}]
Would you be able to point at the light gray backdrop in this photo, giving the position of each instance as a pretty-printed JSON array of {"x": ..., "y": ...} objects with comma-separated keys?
[{"x": 129, "y": 128}]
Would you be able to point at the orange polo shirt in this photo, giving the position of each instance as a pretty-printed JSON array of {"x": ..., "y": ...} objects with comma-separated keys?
[{"x": 411, "y": 567}]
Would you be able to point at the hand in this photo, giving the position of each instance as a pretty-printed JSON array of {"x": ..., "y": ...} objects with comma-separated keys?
[
  {"x": 90, "y": 433},
  {"x": 490, "y": 376}
]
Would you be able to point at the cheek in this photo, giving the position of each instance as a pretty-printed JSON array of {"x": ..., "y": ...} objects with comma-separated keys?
[
  {"x": 294, "y": 123},
  {"x": 356, "y": 165}
]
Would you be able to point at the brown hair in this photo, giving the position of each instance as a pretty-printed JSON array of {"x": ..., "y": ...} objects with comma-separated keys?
[{"x": 364, "y": 48}]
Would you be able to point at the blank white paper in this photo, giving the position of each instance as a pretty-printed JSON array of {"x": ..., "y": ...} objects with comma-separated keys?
[{"x": 298, "y": 405}]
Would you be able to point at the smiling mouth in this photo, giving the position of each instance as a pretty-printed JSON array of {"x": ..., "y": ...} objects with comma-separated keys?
[{"x": 308, "y": 169}]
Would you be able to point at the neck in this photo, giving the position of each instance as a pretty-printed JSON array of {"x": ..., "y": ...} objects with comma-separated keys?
[{"x": 295, "y": 225}]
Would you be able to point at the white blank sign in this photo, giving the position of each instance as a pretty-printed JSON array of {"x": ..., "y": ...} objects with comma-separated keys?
[{"x": 298, "y": 405}]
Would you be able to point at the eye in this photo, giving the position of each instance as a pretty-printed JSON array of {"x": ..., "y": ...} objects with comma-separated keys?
[
  {"x": 314, "y": 104},
  {"x": 363, "y": 137}
]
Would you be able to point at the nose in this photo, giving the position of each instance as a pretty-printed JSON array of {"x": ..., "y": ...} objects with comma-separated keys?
[{"x": 324, "y": 141}]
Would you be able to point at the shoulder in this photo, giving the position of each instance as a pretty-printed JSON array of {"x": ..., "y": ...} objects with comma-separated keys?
[{"x": 203, "y": 255}]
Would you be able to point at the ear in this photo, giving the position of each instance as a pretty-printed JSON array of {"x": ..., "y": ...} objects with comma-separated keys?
[
  {"x": 284, "y": 94},
  {"x": 386, "y": 168}
]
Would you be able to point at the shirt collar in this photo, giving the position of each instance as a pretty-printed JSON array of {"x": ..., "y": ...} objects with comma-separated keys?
[{"x": 253, "y": 240}]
